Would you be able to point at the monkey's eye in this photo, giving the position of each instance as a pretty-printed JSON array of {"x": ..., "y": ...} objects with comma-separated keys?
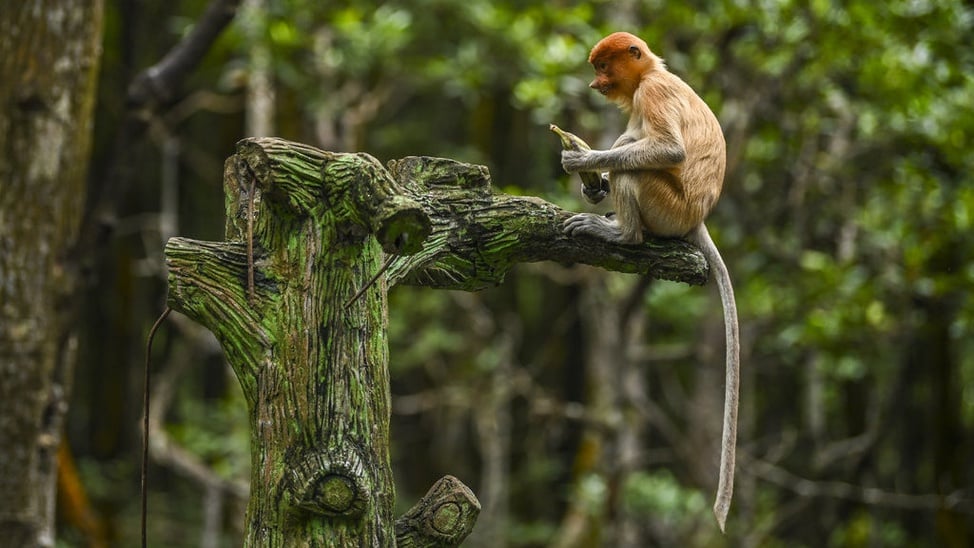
[{"x": 602, "y": 66}]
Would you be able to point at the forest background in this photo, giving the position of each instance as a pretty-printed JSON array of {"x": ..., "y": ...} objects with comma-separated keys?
[{"x": 583, "y": 407}]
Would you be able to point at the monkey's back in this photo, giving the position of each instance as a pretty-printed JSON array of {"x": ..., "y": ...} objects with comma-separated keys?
[
  {"x": 703, "y": 169},
  {"x": 676, "y": 200}
]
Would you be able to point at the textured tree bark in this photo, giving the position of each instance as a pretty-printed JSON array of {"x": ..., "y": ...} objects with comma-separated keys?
[
  {"x": 315, "y": 373},
  {"x": 307, "y": 230},
  {"x": 49, "y": 60}
]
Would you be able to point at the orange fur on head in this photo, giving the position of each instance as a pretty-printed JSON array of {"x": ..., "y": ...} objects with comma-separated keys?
[
  {"x": 620, "y": 61},
  {"x": 617, "y": 42}
]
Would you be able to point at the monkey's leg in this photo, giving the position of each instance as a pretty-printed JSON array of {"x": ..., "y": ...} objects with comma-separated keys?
[{"x": 625, "y": 227}]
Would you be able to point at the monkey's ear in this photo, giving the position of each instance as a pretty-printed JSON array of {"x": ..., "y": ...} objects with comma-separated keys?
[{"x": 634, "y": 51}]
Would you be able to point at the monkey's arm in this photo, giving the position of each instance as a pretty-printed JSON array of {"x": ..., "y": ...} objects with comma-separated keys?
[{"x": 645, "y": 153}]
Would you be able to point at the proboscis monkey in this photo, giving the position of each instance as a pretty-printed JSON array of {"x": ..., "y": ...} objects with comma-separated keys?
[{"x": 665, "y": 175}]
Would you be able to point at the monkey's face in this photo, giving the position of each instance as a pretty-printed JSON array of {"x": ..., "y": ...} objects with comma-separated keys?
[
  {"x": 606, "y": 75},
  {"x": 615, "y": 78}
]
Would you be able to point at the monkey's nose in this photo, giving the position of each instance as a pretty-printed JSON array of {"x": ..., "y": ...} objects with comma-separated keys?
[{"x": 596, "y": 85}]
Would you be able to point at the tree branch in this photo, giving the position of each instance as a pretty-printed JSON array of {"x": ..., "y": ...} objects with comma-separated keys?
[
  {"x": 159, "y": 83},
  {"x": 147, "y": 93},
  {"x": 443, "y": 517},
  {"x": 478, "y": 235},
  {"x": 958, "y": 500}
]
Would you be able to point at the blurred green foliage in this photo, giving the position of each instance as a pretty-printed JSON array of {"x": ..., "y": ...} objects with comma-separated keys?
[{"x": 845, "y": 221}]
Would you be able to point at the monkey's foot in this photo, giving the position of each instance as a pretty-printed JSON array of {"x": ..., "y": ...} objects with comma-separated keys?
[
  {"x": 602, "y": 227},
  {"x": 595, "y": 194},
  {"x": 590, "y": 224}
]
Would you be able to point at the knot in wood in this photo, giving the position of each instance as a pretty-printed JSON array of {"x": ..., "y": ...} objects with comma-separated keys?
[
  {"x": 335, "y": 493},
  {"x": 446, "y": 518},
  {"x": 329, "y": 483}
]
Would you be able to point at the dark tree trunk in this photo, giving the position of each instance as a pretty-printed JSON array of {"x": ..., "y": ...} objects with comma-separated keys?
[{"x": 49, "y": 52}]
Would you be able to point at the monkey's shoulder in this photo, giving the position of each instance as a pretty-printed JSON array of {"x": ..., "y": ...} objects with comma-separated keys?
[{"x": 663, "y": 85}]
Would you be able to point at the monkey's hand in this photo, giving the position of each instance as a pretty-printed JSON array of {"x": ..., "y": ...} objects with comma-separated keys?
[
  {"x": 576, "y": 160},
  {"x": 595, "y": 186}
]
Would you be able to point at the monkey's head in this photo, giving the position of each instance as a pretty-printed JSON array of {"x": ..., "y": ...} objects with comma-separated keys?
[{"x": 620, "y": 61}]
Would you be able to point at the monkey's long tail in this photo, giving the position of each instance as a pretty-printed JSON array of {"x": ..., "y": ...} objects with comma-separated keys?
[{"x": 725, "y": 484}]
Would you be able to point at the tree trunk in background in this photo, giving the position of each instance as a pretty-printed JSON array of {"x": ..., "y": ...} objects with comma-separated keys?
[
  {"x": 584, "y": 521},
  {"x": 493, "y": 427},
  {"x": 49, "y": 52},
  {"x": 260, "y": 75}
]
